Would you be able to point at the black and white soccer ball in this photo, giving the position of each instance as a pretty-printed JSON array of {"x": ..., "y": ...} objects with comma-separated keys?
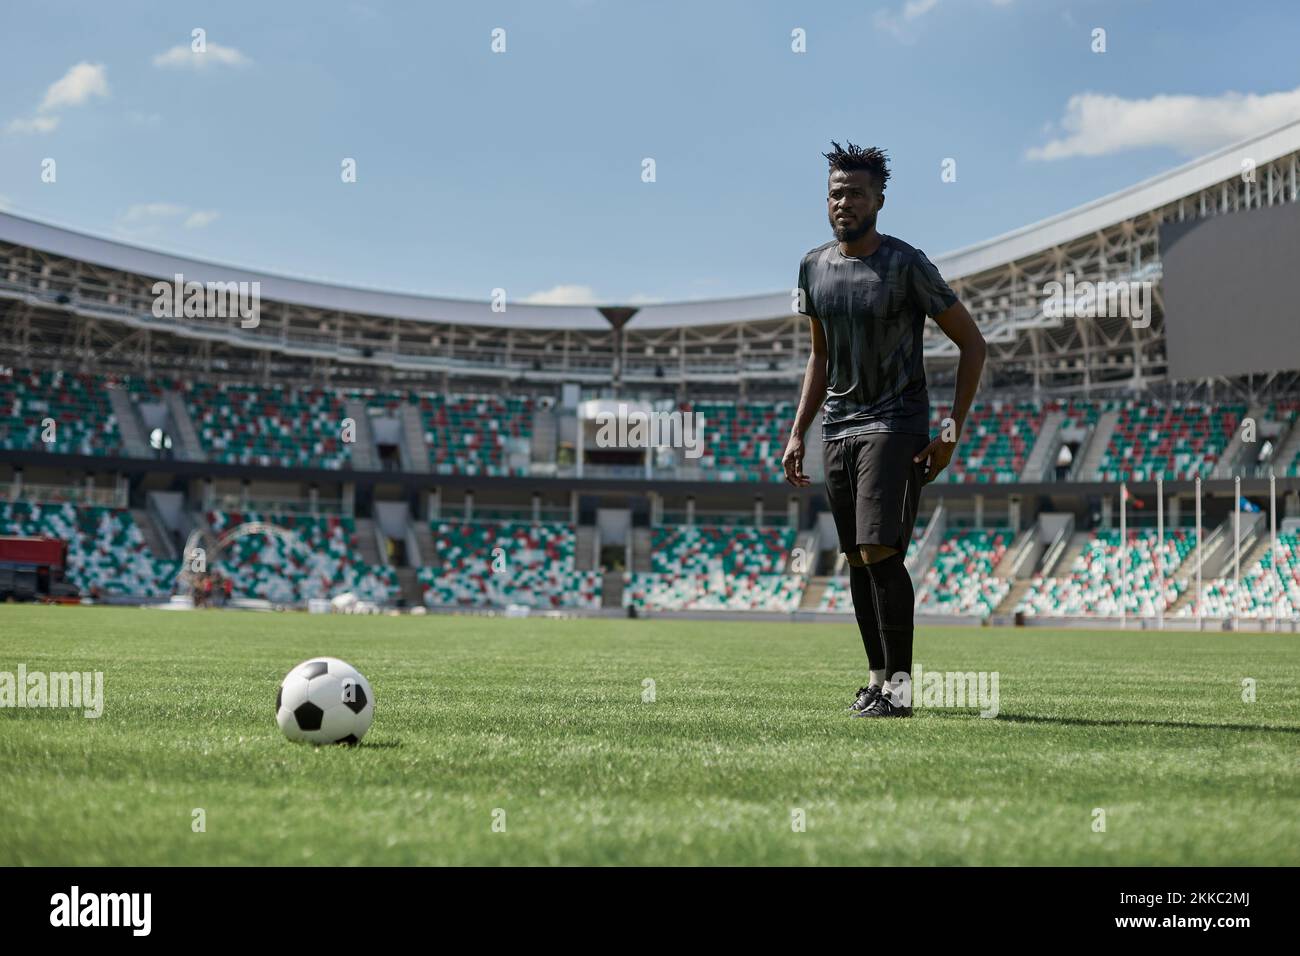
[{"x": 324, "y": 701}]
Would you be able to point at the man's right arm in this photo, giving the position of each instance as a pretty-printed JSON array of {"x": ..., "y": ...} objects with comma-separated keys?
[{"x": 810, "y": 401}]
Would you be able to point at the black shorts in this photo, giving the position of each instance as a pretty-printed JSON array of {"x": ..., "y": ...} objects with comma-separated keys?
[{"x": 874, "y": 488}]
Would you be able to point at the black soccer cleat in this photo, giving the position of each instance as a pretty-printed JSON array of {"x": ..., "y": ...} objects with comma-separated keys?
[
  {"x": 882, "y": 706},
  {"x": 866, "y": 697}
]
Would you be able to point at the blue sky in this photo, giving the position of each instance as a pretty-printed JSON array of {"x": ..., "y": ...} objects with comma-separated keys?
[{"x": 523, "y": 169}]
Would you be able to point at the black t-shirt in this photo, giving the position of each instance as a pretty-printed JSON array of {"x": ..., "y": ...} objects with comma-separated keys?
[{"x": 873, "y": 311}]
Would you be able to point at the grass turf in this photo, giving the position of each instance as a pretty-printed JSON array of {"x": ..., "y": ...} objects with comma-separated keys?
[{"x": 545, "y": 720}]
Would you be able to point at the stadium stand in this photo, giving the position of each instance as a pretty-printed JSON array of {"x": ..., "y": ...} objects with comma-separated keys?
[
  {"x": 84, "y": 422},
  {"x": 1092, "y": 584},
  {"x": 496, "y": 564},
  {"x": 320, "y": 560},
  {"x": 961, "y": 581},
  {"x": 106, "y": 549},
  {"x": 709, "y": 567},
  {"x": 269, "y": 424},
  {"x": 1259, "y": 587},
  {"x": 468, "y": 434},
  {"x": 744, "y": 441},
  {"x": 997, "y": 439},
  {"x": 1173, "y": 441},
  {"x": 482, "y": 398}
]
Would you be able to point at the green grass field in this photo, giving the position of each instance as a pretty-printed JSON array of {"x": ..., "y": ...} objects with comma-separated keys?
[{"x": 545, "y": 720}]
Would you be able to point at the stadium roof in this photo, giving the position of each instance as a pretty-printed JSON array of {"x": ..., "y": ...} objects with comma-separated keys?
[
  {"x": 1148, "y": 195},
  {"x": 316, "y": 294},
  {"x": 1038, "y": 237}
]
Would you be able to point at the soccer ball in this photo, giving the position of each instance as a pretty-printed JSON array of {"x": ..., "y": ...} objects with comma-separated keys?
[{"x": 324, "y": 701}]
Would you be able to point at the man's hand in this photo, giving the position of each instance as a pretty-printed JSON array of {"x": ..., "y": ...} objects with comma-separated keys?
[
  {"x": 792, "y": 462},
  {"x": 936, "y": 456}
]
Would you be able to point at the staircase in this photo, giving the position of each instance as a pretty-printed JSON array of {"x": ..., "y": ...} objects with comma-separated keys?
[
  {"x": 415, "y": 453},
  {"x": 185, "y": 438},
  {"x": 363, "y": 449},
  {"x": 812, "y": 594},
  {"x": 545, "y": 436},
  {"x": 1043, "y": 455},
  {"x": 1251, "y": 556},
  {"x": 1287, "y": 451},
  {"x": 1060, "y": 564},
  {"x": 424, "y": 538},
  {"x": 1098, "y": 441},
  {"x": 367, "y": 542},
  {"x": 154, "y": 537},
  {"x": 611, "y": 589},
  {"x": 640, "y": 549},
  {"x": 928, "y": 547},
  {"x": 1006, "y": 567},
  {"x": 134, "y": 442},
  {"x": 411, "y": 591},
  {"x": 584, "y": 548},
  {"x": 1231, "y": 461},
  {"x": 1008, "y": 604}
]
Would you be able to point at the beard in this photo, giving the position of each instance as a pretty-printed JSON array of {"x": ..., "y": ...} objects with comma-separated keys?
[{"x": 851, "y": 233}]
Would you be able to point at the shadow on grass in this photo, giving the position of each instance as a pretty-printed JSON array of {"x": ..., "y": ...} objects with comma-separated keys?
[{"x": 1174, "y": 724}]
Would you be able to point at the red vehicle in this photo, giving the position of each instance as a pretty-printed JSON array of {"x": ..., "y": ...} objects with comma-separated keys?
[{"x": 32, "y": 569}]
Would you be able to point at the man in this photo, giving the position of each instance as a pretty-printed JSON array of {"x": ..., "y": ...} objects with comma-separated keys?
[{"x": 866, "y": 296}]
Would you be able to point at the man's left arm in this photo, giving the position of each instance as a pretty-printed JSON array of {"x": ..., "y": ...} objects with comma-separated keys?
[{"x": 958, "y": 325}]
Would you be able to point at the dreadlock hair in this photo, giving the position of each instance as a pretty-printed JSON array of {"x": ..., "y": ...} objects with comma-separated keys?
[{"x": 871, "y": 158}]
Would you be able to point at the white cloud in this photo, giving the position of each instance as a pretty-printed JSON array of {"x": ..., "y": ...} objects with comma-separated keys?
[
  {"x": 200, "y": 218},
  {"x": 182, "y": 57},
  {"x": 76, "y": 86},
  {"x": 38, "y": 124},
  {"x": 898, "y": 21},
  {"x": 159, "y": 220},
  {"x": 1095, "y": 124},
  {"x": 563, "y": 295},
  {"x": 143, "y": 212},
  {"x": 5, "y": 202}
]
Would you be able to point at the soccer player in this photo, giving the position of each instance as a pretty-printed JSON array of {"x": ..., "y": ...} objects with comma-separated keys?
[{"x": 866, "y": 296}]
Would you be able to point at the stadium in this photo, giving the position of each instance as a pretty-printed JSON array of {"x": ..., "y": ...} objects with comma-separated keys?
[
  {"x": 388, "y": 451},
  {"x": 390, "y": 377}
]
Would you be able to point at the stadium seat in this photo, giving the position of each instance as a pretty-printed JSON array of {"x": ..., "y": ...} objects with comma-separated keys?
[
  {"x": 269, "y": 424},
  {"x": 961, "y": 581},
  {"x": 996, "y": 440},
  {"x": 743, "y": 441},
  {"x": 320, "y": 560},
  {"x": 84, "y": 423},
  {"x": 496, "y": 564},
  {"x": 469, "y": 435},
  {"x": 1176, "y": 441},
  {"x": 106, "y": 549},
  {"x": 1261, "y": 594},
  {"x": 1092, "y": 586},
  {"x": 701, "y": 567}
]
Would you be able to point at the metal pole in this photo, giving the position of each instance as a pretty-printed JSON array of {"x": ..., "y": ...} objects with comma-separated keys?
[
  {"x": 1272, "y": 523},
  {"x": 1199, "y": 554},
  {"x": 1160, "y": 553},
  {"x": 1236, "y": 555},
  {"x": 1123, "y": 553}
]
